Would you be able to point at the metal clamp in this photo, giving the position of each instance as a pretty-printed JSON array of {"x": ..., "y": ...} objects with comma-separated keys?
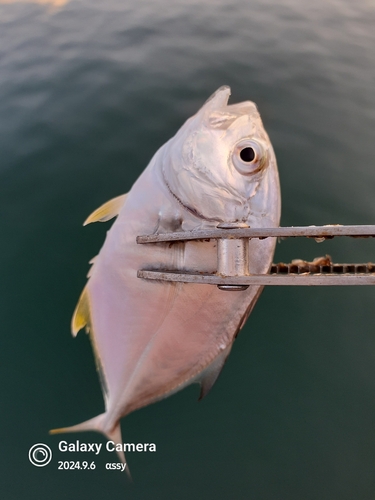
[{"x": 233, "y": 250}]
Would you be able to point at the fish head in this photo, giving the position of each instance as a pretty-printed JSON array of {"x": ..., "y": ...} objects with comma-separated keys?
[{"x": 221, "y": 165}]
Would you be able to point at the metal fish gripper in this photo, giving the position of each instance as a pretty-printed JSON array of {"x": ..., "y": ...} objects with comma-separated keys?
[{"x": 233, "y": 250}]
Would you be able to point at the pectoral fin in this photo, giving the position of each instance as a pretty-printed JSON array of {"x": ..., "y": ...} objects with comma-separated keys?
[
  {"x": 211, "y": 373},
  {"x": 107, "y": 211}
]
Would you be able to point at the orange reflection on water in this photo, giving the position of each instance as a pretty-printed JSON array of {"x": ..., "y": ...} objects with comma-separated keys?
[{"x": 49, "y": 3}]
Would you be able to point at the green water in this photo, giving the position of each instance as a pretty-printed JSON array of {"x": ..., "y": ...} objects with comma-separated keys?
[{"x": 88, "y": 92}]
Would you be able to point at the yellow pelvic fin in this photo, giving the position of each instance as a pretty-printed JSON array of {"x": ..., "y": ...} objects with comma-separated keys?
[
  {"x": 107, "y": 211},
  {"x": 81, "y": 316}
]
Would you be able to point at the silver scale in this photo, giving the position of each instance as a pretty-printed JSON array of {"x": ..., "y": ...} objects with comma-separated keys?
[{"x": 233, "y": 250}]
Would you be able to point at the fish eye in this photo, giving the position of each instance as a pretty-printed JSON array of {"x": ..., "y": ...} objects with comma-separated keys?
[
  {"x": 247, "y": 154},
  {"x": 249, "y": 157}
]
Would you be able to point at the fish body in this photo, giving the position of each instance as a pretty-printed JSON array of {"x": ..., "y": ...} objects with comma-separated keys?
[{"x": 153, "y": 338}]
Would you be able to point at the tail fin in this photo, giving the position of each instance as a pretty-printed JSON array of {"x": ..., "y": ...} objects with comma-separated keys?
[{"x": 97, "y": 424}]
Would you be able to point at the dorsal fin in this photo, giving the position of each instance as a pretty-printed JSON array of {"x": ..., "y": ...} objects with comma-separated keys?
[
  {"x": 81, "y": 316},
  {"x": 107, "y": 211},
  {"x": 211, "y": 373}
]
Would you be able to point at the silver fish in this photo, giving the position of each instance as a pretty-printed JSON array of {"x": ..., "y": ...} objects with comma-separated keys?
[{"x": 151, "y": 339}]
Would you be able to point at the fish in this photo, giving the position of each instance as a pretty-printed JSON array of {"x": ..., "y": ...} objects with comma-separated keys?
[{"x": 153, "y": 338}]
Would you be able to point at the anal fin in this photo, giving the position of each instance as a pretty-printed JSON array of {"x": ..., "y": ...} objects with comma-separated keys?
[
  {"x": 212, "y": 372},
  {"x": 107, "y": 211}
]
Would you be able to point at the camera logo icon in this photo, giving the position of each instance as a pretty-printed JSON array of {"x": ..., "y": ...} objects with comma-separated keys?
[{"x": 40, "y": 455}]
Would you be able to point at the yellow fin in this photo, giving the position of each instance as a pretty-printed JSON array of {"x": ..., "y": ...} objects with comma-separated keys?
[
  {"x": 82, "y": 319},
  {"x": 81, "y": 316},
  {"x": 107, "y": 211}
]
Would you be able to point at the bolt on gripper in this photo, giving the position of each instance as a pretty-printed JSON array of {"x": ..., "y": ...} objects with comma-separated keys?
[{"x": 232, "y": 257}]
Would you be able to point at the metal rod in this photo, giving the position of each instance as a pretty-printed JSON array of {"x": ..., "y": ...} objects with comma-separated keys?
[
  {"x": 328, "y": 231},
  {"x": 233, "y": 260},
  {"x": 263, "y": 279}
]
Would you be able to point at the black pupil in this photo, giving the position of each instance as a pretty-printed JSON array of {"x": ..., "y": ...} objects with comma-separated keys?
[{"x": 247, "y": 154}]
